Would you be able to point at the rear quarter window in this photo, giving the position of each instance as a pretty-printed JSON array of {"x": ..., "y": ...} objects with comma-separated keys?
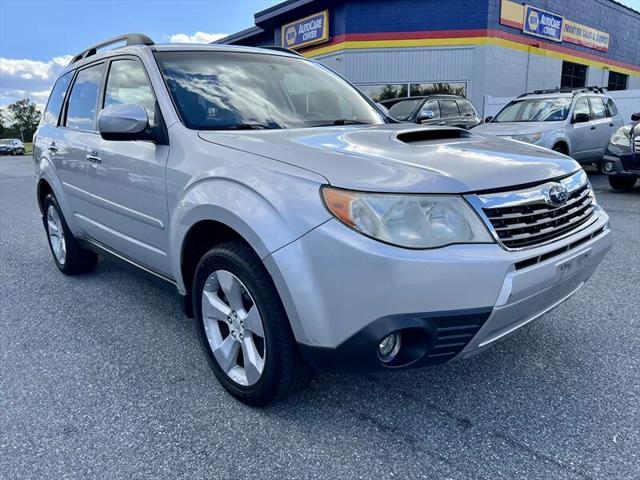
[
  {"x": 612, "y": 109},
  {"x": 449, "y": 108},
  {"x": 466, "y": 109},
  {"x": 56, "y": 99}
]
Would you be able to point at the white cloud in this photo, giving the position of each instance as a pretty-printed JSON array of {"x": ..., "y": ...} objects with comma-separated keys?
[
  {"x": 13, "y": 67},
  {"x": 198, "y": 37},
  {"x": 33, "y": 79},
  {"x": 62, "y": 61}
]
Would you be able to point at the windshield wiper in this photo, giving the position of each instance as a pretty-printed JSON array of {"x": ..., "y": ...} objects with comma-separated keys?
[
  {"x": 341, "y": 121},
  {"x": 255, "y": 126}
]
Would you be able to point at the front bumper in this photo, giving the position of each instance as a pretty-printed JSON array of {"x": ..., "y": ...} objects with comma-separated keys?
[
  {"x": 344, "y": 292},
  {"x": 625, "y": 160}
]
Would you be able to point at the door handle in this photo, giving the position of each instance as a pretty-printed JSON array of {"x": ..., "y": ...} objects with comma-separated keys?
[
  {"x": 611, "y": 124},
  {"x": 442, "y": 123},
  {"x": 94, "y": 158},
  {"x": 593, "y": 127}
]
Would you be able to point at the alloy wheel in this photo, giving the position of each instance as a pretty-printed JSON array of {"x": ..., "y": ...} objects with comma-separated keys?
[
  {"x": 233, "y": 328},
  {"x": 56, "y": 235}
]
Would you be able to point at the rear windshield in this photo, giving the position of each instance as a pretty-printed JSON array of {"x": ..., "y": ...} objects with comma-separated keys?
[
  {"x": 404, "y": 109},
  {"x": 535, "y": 110},
  {"x": 216, "y": 90}
]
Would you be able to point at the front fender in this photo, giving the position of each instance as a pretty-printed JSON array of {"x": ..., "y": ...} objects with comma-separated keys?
[{"x": 266, "y": 221}]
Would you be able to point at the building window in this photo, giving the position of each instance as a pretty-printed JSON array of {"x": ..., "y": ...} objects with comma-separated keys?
[
  {"x": 617, "y": 81},
  {"x": 388, "y": 91},
  {"x": 379, "y": 93},
  {"x": 574, "y": 75},
  {"x": 453, "y": 88}
]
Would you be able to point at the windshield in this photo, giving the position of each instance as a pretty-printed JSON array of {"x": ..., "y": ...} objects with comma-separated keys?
[
  {"x": 6, "y": 142},
  {"x": 404, "y": 109},
  {"x": 535, "y": 110},
  {"x": 235, "y": 90}
]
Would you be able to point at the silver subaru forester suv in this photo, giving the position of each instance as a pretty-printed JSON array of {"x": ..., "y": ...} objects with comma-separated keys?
[{"x": 303, "y": 229}]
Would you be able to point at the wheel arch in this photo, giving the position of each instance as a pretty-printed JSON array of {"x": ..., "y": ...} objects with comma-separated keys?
[
  {"x": 198, "y": 239},
  {"x": 563, "y": 143},
  {"x": 44, "y": 188},
  {"x": 222, "y": 208}
]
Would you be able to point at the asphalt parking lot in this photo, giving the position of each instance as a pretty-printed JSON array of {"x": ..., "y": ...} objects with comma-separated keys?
[{"x": 101, "y": 376}]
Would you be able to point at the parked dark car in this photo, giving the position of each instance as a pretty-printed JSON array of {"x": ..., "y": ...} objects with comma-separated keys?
[
  {"x": 621, "y": 161},
  {"x": 451, "y": 110},
  {"x": 11, "y": 146}
]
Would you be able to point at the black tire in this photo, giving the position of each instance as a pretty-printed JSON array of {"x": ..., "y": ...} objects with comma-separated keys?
[
  {"x": 622, "y": 182},
  {"x": 77, "y": 260},
  {"x": 285, "y": 371},
  {"x": 560, "y": 148}
]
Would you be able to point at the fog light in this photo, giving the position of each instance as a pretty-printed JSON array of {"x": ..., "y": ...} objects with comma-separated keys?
[
  {"x": 609, "y": 166},
  {"x": 389, "y": 347}
]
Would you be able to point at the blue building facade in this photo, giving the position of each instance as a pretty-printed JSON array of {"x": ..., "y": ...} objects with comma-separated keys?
[{"x": 478, "y": 48}]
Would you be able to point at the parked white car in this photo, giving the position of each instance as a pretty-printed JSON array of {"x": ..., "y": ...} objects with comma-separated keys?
[{"x": 578, "y": 122}]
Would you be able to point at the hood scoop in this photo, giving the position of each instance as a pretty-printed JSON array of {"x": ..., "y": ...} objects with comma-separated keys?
[{"x": 412, "y": 137}]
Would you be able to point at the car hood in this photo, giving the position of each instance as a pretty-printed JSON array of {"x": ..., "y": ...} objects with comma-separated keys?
[
  {"x": 515, "y": 128},
  {"x": 400, "y": 158}
]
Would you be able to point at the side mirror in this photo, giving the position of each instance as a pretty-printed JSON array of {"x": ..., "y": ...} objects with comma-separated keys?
[
  {"x": 382, "y": 108},
  {"x": 124, "y": 122},
  {"x": 488, "y": 119},
  {"x": 425, "y": 115},
  {"x": 635, "y": 117},
  {"x": 581, "y": 118}
]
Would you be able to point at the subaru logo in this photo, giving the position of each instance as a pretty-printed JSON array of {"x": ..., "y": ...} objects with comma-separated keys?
[{"x": 557, "y": 194}]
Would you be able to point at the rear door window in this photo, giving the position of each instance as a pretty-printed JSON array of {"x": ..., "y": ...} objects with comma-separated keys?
[
  {"x": 449, "y": 108},
  {"x": 83, "y": 99},
  {"x": 598, "y": 108}
]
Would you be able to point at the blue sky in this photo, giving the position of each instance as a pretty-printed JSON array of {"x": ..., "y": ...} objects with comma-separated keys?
[{"x": 37, "y": 37}]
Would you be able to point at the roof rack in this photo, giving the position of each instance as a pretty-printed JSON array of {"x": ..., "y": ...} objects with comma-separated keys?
[
  {"x": 129, "y": 38},
  {"x": 575, "y": 91},
  {"x": 283, "y": 49}
]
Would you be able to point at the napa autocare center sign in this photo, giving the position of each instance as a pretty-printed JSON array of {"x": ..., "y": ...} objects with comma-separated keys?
[
  {"x": 541, "y": 23},
  {"x": 307, "y": 31}
]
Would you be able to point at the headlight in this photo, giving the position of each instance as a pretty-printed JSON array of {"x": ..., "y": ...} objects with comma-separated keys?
[
  {"x": 622, "y": 137},
  {"x": 529, "y": 137},
  {"x": 412, "y": 221}
]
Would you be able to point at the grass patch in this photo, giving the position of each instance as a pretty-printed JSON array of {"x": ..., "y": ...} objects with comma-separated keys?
[{"x": 28, "y": 148}]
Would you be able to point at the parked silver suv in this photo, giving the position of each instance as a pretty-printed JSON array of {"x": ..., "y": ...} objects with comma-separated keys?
[
  {"x": 301, "y": 227},
  {"x": 577, "y": 122}
]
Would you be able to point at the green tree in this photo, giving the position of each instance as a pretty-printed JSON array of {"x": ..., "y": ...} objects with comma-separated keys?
[
  {"x": 3, "y": 125},
  {"x": 25, "y": 118}
]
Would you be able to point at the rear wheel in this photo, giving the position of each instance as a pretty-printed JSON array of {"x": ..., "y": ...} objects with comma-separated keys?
[
  {"x": 68, "y": 256},
  {"x": 620, "y": 182},
  {"x": 243, "y": 328}
]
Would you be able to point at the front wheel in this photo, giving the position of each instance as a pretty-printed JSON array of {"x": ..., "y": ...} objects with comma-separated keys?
[
  {"x": 243, "y": 328},
  {"x": 620, "y": 182},
  {"x": 69, "y": 257}
]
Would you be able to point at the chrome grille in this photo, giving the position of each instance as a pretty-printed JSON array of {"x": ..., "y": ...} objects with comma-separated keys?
[
  {"x": 636, "y": 142},
  {"x": 525, "y": 218}
]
